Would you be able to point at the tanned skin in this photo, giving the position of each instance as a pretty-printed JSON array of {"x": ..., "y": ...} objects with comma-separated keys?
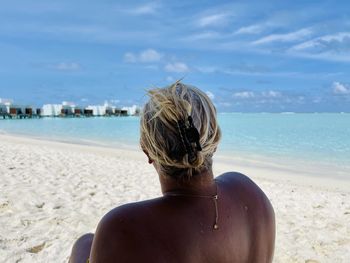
[{"x": 180, "y": 228}]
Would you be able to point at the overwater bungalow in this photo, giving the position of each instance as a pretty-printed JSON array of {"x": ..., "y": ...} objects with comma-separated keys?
[
  {"x": 108, "y": 111},
  {"x": 78, "y": 111},
  {"x": 51, "y": 110},
  {"x": 117, "y": 112},
  {"x": 20, "y": 111},
  {"x": 3, "y": 107},
  {"x": 93, "y": 109},
  {"x": 10, "y": 110},
  {"x": 28, "y": 111},
  {"x": 66, "y": 112},
  {"x": 98, "y": 110},
  {"x": 15, "y": 111},
  {"x": 67, "y": 109},
  {"x": 133, "y": 110},
  {"x": 88, "y": 113},
  {"x": 3, "y": 111}
]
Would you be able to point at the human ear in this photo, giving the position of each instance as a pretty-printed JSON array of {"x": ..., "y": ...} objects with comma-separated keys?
[{"x": 150, "y": 161}]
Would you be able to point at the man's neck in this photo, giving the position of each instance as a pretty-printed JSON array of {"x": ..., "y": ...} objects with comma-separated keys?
[{"x": 199, "y": 184}]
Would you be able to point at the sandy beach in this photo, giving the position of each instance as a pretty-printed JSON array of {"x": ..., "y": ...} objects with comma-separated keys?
[{"x": 53, "y": 192}]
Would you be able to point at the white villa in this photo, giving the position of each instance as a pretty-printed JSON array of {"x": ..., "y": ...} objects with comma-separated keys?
[
  {"x": 5, "y": 105},
  {"x": 101, "y": 110},
  {"x": 107, "y": 109},
  {"x": 133, "y": 110},
  {"x": 66, "y": 109},
  {"x": 96, "y": 110},
  {"x": 51, "y": 110},
  {"x": 8, "y": 107},
  {"x": 3, "y": 108}
]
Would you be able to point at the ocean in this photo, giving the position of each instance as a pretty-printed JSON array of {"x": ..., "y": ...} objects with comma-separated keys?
[{"x": 318, "y": 138}]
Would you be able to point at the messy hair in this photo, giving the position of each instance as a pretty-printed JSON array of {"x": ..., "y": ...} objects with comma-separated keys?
[{"x": 160, "y": 135}]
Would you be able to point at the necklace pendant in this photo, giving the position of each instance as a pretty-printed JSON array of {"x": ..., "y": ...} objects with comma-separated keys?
[{"x": 216, "y": 227}]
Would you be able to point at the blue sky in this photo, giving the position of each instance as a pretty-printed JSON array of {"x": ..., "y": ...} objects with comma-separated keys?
[{"x": 249, "y": 56}]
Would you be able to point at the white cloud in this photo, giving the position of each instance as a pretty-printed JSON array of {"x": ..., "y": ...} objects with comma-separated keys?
[
  {"x": 66, "y": 66},
  {"x": 169, "y": 79},
  {"x": 146, "y": 9},
  {"x": 217, "y": 19},
  {"x": 210, "y": 69},
  {"x": 179, "y": 67},
  {"x": 130, "y": 57},
  {"x": 327, "y": 56},
  {"x": 271, "y": 94},
  {"x": 203, "y": 35},
  {"x": 244, "y": 94},
  {"x": 317, "y": 100},
  {"x": 225, "y": 104},
  {"x": 253, "y": 29},
  {"x": 325, "y": 42},
  {"x": 151, "y": 67},
  {"x": 145, "y": 56},
  {"x": 210, "y": 95},
  {"x": 150, "y": 55},
  {"x": 114, "y": 101},
  {"x": 6, "y": 101},
  {"x": 293, "y": 36},
  {"x": 339, "y": 88},
  {"x": 300, "y": 100}
]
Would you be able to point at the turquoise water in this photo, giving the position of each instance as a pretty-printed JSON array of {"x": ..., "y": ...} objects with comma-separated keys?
[
  {"x": 116, "y": 131},
  {"x": 323, "y": 138},
  {"x": 317, "y": 137}
]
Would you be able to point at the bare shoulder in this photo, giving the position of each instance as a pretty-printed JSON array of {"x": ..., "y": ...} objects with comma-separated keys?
[
  {"x": 241, "y": 187},
  {"x": 238, "y": 183},
  {"x": 242, "y": 191},
  {"x": 236, "y": 179},
  {"x": 120, "y": 232}
]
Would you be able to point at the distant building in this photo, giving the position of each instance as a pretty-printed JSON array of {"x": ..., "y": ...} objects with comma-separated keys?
[
  {"x": 96, "y": 110},
  {"x": 5, "y": 105},
  {"x": 3, "y": 108},
  {"x": 29, "y": 110},
  {"x": 88, "y": 112},
  {"x": 133, "y": 110},
  {"x": 101, "y": 110},
  {"x": 78, "y": 111},
  {"x": 109, "y": 109},
  {"x": 66, "y": 108},
  {"x": 16, "y": 109},
  {"x": 6, "y": 101},
  {"x": 50, "y": 110}
]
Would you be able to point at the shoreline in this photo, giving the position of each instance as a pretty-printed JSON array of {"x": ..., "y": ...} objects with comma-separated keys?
[
  {"x": 223, "y": 162},
  {"x": 275, "y": 139}
]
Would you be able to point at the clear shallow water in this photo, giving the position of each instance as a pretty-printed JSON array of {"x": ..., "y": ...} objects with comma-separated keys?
[
  {"x": 121, "y": 131},
  {"x": 321, "y": 138},
  {"x": 310, "y": 137}
]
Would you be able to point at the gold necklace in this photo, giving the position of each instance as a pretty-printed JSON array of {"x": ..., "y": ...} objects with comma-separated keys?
[{"x": 213, "y": 197}]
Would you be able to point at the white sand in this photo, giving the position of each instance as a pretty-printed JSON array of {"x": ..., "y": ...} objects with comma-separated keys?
[{"x": 52, "y": 192}]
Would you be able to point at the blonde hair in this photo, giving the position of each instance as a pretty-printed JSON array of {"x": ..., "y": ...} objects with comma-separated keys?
[{"x": 160, "y": 135}]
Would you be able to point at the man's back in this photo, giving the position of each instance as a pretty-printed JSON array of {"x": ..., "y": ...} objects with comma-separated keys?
[{"x": 180, "y": 228}]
